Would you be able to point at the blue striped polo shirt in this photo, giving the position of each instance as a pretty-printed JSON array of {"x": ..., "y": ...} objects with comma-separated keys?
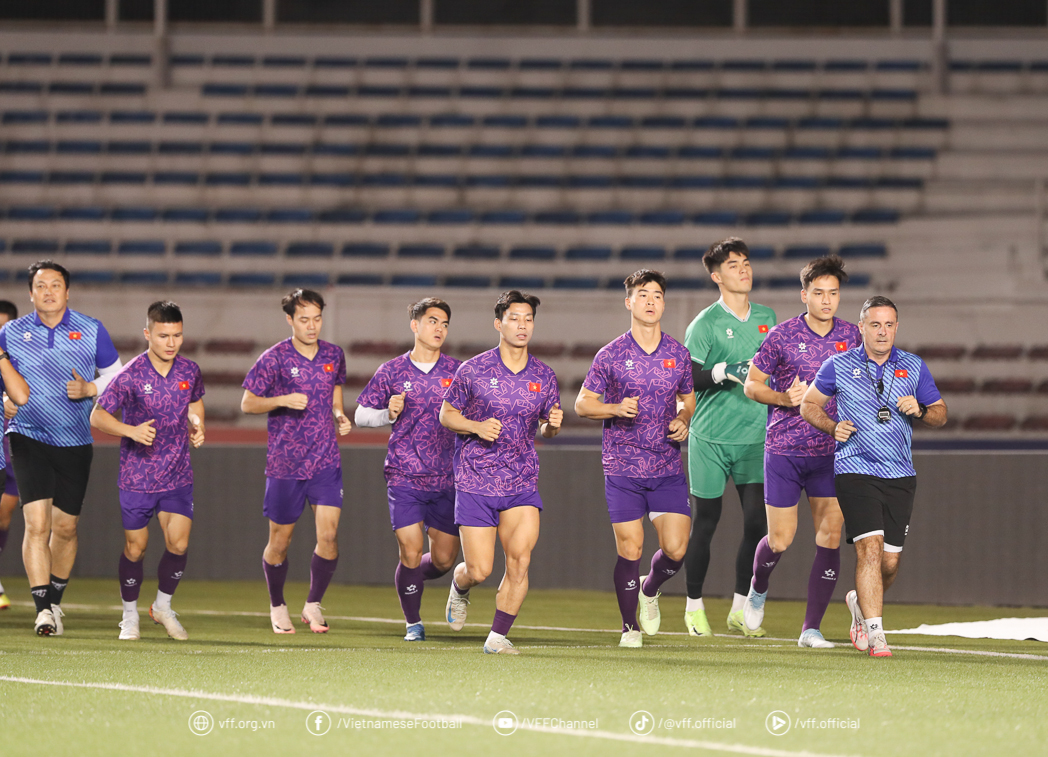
[
  {"x": 46, "y": 358},
  {"x": 875, "y": 449}
]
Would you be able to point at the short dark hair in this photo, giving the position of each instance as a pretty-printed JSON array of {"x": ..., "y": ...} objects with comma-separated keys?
[
  {"x": 513, "y": 297},
  {"x": 877, "y": 301},
  {"x": 163, "y": 311},
  {"x": 644, "y": 276},
  {"x": 299, "y": 297},
  {"x": 830, "y": 265},
  {"x": 47, "y": 265},
  {"x": 9, "y": 309},
  {"x": 722, "y": 250},
  {"x": 418, "y": 309}
]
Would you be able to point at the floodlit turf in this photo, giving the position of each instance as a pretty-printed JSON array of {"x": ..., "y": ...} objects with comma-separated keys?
[{"x": 918, "y": 702}]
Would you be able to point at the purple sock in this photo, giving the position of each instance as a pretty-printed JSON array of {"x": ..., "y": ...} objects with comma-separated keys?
[
  {"x": 170, "y": 571},
  {"x": 627, "y": 579},
  {"x": 3, "y": 539},
  {"x": 502, "y": 623},
  {"x": 764, "y": 562},
  {"x": 662, "y": 569},
  {"x": 130, "y": 578},
  {"x": 821, "y": 583},
  {"x": 429, "y": 570},
  {"x": 321, "y": 571},
  {"x": 275, "y": 577},
  {"x": 409, "y": 588}
]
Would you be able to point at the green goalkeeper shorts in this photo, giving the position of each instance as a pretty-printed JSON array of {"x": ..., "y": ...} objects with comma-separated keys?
[{"x": 710, "y": 464}]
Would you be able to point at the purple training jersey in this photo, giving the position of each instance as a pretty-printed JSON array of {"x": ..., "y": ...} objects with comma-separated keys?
[
  {"x": 640, "y": 447},
  {"x": 485, "y": 388},
  {"x": 791, "y": 350},
  {"x": 143, "y": 394},
  {"x": 301, "y": 442},
  {"x": 420, "y": 449}
]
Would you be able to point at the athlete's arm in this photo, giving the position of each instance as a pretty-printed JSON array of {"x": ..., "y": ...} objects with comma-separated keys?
[
  {"x": 14, "y": 385},
  {"x": 550, "y": 427},
  {"x": 758, "y": 391},
  {"x": 718, "y": 374},
  {"x": 344, "y": 424},
  {"x": 104, "y": 421},
  {"x": 678, "y": 428},
  {"x": 590, "y": 405},
  {"x": 812, "y": 410},
  {"x": 196, "y": 423},
  {"x": 452, "y": 418},
  {"x": 252, "y": 404},
  {"x": 80, "y": 388},
  {"x": 934, "y": 415},
  {"x": 371, "y": 417}
]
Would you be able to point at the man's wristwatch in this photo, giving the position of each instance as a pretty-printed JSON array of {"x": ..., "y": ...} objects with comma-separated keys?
[
  {"x": 923, "y": 409},
  {"x": 4, "y": 355}
]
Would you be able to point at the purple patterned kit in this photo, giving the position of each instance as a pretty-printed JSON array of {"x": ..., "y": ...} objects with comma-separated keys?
[
  {"x": 137, "y": 508},
  {"x": 792, "y": 350},
  {"x": 143, "y": 394},
  {"x": 420, "y": 449},
  {"x": 485, "y": 388},
  {"x": 301, "y": 442},
  {"x": 640, "y": 447}
]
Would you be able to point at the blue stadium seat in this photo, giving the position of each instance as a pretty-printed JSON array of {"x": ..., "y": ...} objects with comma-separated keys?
[
  {"x": 642, "y": 253},
  {"x": 92, "y": 277},
  {"x": 762, "y": 252},
  {"x": 470, "y": 282},
  {"x": 187, "y": 59},
  {"x": 132, "y": 117},
  {"x": 184, "y": 178},
  {"x": 575, "y": 282},
  {"x": 36, "y": 246},
  {"x": 232, "y": 61},
  {"x": 434, "y": 63},
  {"x": 806, "y": 252},
  {"x": 522, "y": 282},
  {"x": 129, "y": 147},
  {"x": 663, "y": 218},
  {"x": 25, "y": 117},
  {"x": 186, "y": 215},
  {"x": 144, "y": 278},
  {"x": 342, "y": 215},
  {"x": 3, "y": 245},
  {"x": 442, "y": 93},
  {"x": 858, "y": 280},
  {"x": 825, "y": 217},
  {"x": 309, "y": 250},
  {"x": 689, "y": 253},
  {"x": 71, "y": 88},
  {"x": 240, "y": 119},
  {"x": 690, "y": 282},
  {"x": 532, "y": 253},
  {"x": 692, "y": 65},
  {"x": 78, "y": 117},
  {"x": 121, "y": 88},
  {"x": 186, "y": 117},
  {"x": 451, "y": 120},
  {"x": 208, "y": 248},
  {"x": 282, "y": 179},
  {"x": 21, "y": 87},
  {"x": 899, "y": 65},
  {"x": 78, "y": 146},
  {"x": 420, "y": 251},
  {"x": 914, "y": 153},
  {"x": 253, "y": 248},
  {"x": 130, "y": 59},
  {"x": 611, "y": 218},
  {"x": 540, "y": 64},
  {"x": 768, "y": 218},
  {"x": 504, "y": 217},
  {"x": 875, "y": 215},
  {"x": 316, "y": 280},
  {"x": 360, "y": 279},
  {"x": 820, "y": 123},
  {"x": 398, "y": 120},
  {"x": 782, "y": 282},
  {"x": 594, "y": 151},
  {"x": 198, "y": 278},
  {"x": 122, "y": 177},
  {"x": 333, "y": 61},
  {"x": 489, "y": 64},
  {"x": 438, "y": 151},
  {"x": 227, "y": 179},
  {"x": 397, "y": 216},
  {"x": 557, "y": 218},
  {"x": 142, "y": 247},
  {"x": 609, "y": 122},
  {"x": 766, "y": 122},
  {"x": 385, "y": 62},
  {"x": 333, "y": 179},
  {"x": 87, "y": 247},
  {"x": 134, "y": 214},
  {"x": 88, "y": 213},
  {"x": 31, "y": 212},
  {"x": 224, "y": 90},
  {"x": 23, "y": 177},
  {"x": 252, "y": 279},
  {"x": 283, "y": 61},
  {"x": 845, "y": 65},
  {"x": 29, "y": 59},
  {"x": 289, "y": 215},
  {"x": 343, "y": 149},
  {"x": 282, "y": 148},
  {"x": 558, "y": 122},
  {"x": 373, "y": 91},
  {"x": 413, "y": 280},
  {"x": 476, "y": 252},
  {"x": 588, "y": 252},
  {"x": 365, "y": 250},
  {"x": 869, "y": 250}
]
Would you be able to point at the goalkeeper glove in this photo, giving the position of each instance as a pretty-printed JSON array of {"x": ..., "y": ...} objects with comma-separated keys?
[{"x": 731, "y": 372}]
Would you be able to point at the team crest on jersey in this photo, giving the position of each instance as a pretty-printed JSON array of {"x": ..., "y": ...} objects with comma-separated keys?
[
  {"x": 671, "y": 363},
  {"x": 841, "y": 346},
  {"x": 802, "y": 347},
  {"x": 494, "y": 382},
  {"x": 730, "y": 333},
  {"x": 407, "y": 386},
  {"x": 762, "y": 328},
  {"x": 76, "y": 336},
  {"x": 629, "y": 364},
  {"x": 183, "y": 385},
  {"x": 534, "y": 386},
  {"x": 148, "y": 388},
  {"x": 445, "y": 382},
  {"x": 901, "y": 373},
  {"x": 294, "y": 371},
  {"x": 856, "y": 372}
]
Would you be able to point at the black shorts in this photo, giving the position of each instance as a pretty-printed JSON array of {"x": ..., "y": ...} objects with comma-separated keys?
[
  {"x": 875, "y": 506},
  {"x": 47, "y": 472}
]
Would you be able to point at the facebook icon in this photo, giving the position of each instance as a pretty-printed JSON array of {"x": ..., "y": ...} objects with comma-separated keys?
[{"x": 318, "y": 722}]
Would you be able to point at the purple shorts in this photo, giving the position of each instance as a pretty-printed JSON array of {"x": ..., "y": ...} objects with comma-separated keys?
[
  {"x": 632, "y": 498},
  {"x": 137, "y": 508},
  {"x": 483, "y": 511},
  {"x": 434, "y": 509},
  {"x": 10, "y": 485},
  {"x": 785, "y": 476},
  {"x": 286, "y": 497}
]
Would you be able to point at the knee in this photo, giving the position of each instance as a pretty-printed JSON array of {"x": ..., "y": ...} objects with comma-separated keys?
[
  {"x": 478, "y": 573},
  {"x": 443, "y": 562},
  {"x": 630, "y": 550},
  {"x": 36, "y": 531},
  {"x": 64, "y": 531},
  {"x": 780, "y": 539},
  {"x": 134, "y": 552},
  {"x": 410, "y": 557},
  {"x": 675, "y": 551},
  {"x": 178, "y": 546}
]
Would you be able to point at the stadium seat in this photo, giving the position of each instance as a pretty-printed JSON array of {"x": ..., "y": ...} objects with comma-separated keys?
[
  {"x": 1037, "y": 352},
  {"x": 532, "y": 253},
  {"x": 642, "y": 253},
  {"x": 941, "y": 351},
  {"x": 997, "y": 352},
  {"x": 1037, "y": 423},
  {"x": 805, "y": 252},
  {"x": 575, "y": 282},
  {"x": 256, "y": 248},
  {"x": 359, "y": 279},
  {"x": 142, "y": 247},
  {"x": 420, "y": 251},
  {"x": 365, "y": 250},
  {"x": 476, "y": 252},
  {"x": 35, "y": 246},
  {"x": 470, "y": 282},
  {"x": 308, "y": 280},
  {"x": 871, "y": 250},
  {"x": 144, "y": 278},
  {"x": 413, "y": 280},
  {"x": 956, "y": 385},
  {"x": 92, "y": 277},
  {"x": 197, "y": 278},
  {"x": 997, "y": 422},
  {"x": 524, "y": 283},
  {"x": 1007, "y": 386},
  {"x": 587, "y": 253},
  {"x": 309, "y": 250}
]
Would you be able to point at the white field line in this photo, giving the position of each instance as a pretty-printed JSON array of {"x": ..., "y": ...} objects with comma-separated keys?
[
  {"x": 750, "y": 641},
  {"x": 401, "y": 715}
]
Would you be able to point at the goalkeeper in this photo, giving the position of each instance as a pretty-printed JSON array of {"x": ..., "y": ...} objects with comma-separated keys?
[{"x": 727, "y": 430}]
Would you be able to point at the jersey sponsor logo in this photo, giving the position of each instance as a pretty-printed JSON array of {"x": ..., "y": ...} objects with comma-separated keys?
[
  {"x": 294, "y": 372},
  {"x": 841, "y": 346},
  {"x": 671, "y": 363},
  {"x": 148, "y": 388},
  {"x": 534, "y": 386},
  {"x": 494, "y": 383},
  {"x": 329, "y": 368},
  {"x": 802, "y": 347},
  {"x": 901, "y": 373},
  {"x": 27, "y": 336},
  {"x": 730, "y": 333},
  {"x": 445, "y": 382},
  {"x": 856, "y": 372},
  {"x": 76, "y": 336},
  {"x": 183, "y": 385},
  {"x": 763, "y": 329},
  {"x": 629, "y": 364},
  {"x": 407, "y": 386}
]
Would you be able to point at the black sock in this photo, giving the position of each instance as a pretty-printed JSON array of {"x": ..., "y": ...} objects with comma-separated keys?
[
  {"x": 754, "y": 528},
  {"x": 41, "y": 597},
  {"x": 705, "y": 515},
  {"x": 58, "y": 587}
]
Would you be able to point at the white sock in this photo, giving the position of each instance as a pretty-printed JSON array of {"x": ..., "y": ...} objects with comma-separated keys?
[
  {"x": 737, "y": 601},
  {"x": 694, "y": 604},
  {"x": 130, "y": 609},
  {"x": 163, "y": 601},
  {"x": 492, "y": 636},
  {"x": 875, "y": 626}
]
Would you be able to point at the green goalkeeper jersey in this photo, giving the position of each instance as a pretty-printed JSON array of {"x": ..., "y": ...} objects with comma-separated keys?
[{"x": 724, "y": 414}]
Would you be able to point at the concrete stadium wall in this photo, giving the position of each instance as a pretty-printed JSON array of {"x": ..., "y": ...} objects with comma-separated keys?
[{"x": 974, "y": 537}]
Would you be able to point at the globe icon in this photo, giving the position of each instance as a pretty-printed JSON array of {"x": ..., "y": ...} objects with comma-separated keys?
[{"x": 200, "y": 723}]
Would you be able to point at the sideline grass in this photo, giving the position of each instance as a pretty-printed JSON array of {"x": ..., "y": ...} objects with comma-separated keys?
[{"x": 919, "y": 702}]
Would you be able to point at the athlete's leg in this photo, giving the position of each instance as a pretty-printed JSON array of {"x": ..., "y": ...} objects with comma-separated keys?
[
  {"x": 478, "y": 556},
  {"x": 869, "y": 579},
  {"x": 889, "y": 569},
  {"x": 443, "y": 551},
  {"x": 411, "y": 541},
  {"x": 826, "y": 568},
  {"x": 274, "y": 561},
  {"x": 754, "y": 528},
  {"x": 63, "y": 550},
  {"x": 324, "y": 562},
  {"x": 629, "y": 543},
  {"x": 130, "y": 572},
  {"x": 673, "y": 530},
  {"x": 408, "y": 576},
  {"x": 36, "y": 551},
  {"x": 518, "y": 531},
  {"x": 706, "y": 513},
  {"x": 176, "y": 528}
]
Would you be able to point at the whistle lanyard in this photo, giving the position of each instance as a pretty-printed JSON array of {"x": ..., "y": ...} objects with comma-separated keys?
[{"x": 879, "y": 383}]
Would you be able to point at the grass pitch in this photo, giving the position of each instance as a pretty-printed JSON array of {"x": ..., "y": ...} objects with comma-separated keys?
[{"x": 571, "y": 691}]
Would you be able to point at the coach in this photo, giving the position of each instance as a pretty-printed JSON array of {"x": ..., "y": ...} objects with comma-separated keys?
[
  {"x": 881, "y": 391},
  {"x": 57, "y": 350}
]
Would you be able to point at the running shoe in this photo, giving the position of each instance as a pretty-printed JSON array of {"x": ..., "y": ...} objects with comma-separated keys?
[
  {"x": 281, "y": 619},
  {"x": 697, "y": 624},
  {"x": 859, "y": 639},
  {"x": 416, "y": 632},
  {"x": 736, "y": 623},
  {"x": 168, "y": 618},
  {"x": 649, "y": 615},
  {"x": 500, "y": 646},
  {"x": 879, "y": 646},
  {"x": 45, "y": 623},
  {"x": 129, "y": 630},
  {"x": 812, "y": 637},
  {"x": 753, "y": 609},
  {"x": 455, "y": 610},
  {"x": 632, "y": 639},
  {"x": 313, "y": 618}
]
